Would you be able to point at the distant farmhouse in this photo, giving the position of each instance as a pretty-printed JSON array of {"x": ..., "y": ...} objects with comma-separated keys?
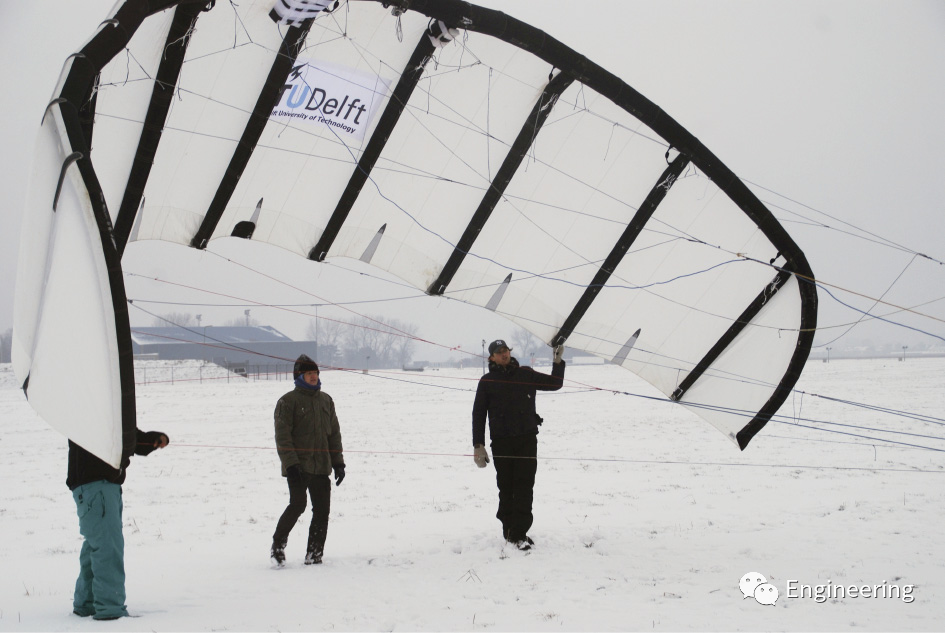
[{"x": 226, "y": 346}]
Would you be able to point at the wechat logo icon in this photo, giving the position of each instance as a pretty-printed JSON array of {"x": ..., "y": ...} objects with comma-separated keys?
[{"x": 754, "y": 585}]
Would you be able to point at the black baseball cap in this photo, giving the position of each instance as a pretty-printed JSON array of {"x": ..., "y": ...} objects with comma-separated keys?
[{"x": 496, "y": 344}]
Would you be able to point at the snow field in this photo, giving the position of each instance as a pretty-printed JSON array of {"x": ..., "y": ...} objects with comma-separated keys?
[{"x": 645, "y": 516}]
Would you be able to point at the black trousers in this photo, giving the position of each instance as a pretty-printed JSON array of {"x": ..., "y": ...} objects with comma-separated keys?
[
  {"x": 515, "y": 468},
  {"x": 319, "y": 488}
]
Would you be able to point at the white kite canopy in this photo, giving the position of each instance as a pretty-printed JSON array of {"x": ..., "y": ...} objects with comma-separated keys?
[
  {"x": 64, "y": 315},
  {"x": 461, "y": 150}
]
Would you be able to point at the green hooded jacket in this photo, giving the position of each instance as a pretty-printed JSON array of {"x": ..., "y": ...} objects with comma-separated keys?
[{"x": 307, "y": 432}]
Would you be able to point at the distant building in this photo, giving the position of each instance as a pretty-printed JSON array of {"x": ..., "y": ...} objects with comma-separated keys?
[{"x": 227, "y": 346}]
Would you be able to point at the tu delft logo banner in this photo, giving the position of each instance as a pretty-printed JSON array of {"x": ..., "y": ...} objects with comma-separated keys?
[{"x": 320, "y": 94}]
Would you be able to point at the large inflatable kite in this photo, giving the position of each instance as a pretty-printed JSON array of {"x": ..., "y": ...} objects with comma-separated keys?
[{"x": 460, "y": 149}]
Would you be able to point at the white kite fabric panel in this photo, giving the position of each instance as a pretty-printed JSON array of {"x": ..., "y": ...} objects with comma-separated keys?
[
  {"x": 63, "y": 315},
  {"x": 750, "y": 368},
  {"x": 585, "y": 171},
  {"x": 123, "y": 95},
  {"x": 440, "y": 160}
]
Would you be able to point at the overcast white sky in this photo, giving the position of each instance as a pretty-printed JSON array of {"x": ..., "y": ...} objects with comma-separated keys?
[{"x": 836, "y": 107}]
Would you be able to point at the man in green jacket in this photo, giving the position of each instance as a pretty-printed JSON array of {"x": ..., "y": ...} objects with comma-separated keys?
[{"x": 308, "y": 439}]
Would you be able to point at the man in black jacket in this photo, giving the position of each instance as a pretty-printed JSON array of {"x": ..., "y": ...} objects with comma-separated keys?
[
  {"x": 507, "y": 395},
  {"x": 96, "y": 488}
]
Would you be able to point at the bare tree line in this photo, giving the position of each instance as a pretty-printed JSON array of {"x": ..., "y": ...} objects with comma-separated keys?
[
  {"x": 6, "y": 342},
  {"x": 525, "y": 345},
  {"x": 370, "y": 342},
  {"x": 186, "y": 319},
  {"x": 365, "y": 342}
]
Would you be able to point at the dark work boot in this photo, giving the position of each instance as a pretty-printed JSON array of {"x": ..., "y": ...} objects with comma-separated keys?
[
  {"x": 314, "y": 551},
  {"x": 277, "y": 553}
]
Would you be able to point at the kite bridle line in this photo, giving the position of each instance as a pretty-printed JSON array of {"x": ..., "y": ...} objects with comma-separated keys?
[
  {"x": 617, "y": 460},
  {"x": 792, "y": 421},
  {"x": 384, "y": 328}
]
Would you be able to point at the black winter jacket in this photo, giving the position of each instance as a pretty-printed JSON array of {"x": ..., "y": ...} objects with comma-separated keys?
[
  {"x": 507, "y": 394},
  {"x": 84, "y": 467}
]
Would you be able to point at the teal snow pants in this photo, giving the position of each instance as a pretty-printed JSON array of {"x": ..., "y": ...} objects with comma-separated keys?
[{"x": 100, "y": 589}]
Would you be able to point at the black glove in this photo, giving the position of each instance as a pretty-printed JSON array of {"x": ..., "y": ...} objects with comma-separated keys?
[
  {"x": 339, "y": 473},
  {"x": 156, "y": 439},
  {"x": 148, "y": 443},
  {"x": 294, "y": 474}
]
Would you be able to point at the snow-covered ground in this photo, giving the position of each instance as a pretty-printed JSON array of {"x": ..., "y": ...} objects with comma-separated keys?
[{"x": 646, "y": 517}]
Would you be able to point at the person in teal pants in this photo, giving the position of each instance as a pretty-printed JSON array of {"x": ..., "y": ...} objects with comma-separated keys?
[{"x": 96, "y": 489}]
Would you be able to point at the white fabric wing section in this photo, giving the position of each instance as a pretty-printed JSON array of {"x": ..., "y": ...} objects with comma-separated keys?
[
  {"x": 63, "y": 308},
  {"x": 124, "y": 91},
  {"x": 439, "y": 163},
  {"x": 749, "y": 369}
]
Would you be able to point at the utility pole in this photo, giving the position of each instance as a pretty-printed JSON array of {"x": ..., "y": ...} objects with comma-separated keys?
[{"x": 203, "y": 347}]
